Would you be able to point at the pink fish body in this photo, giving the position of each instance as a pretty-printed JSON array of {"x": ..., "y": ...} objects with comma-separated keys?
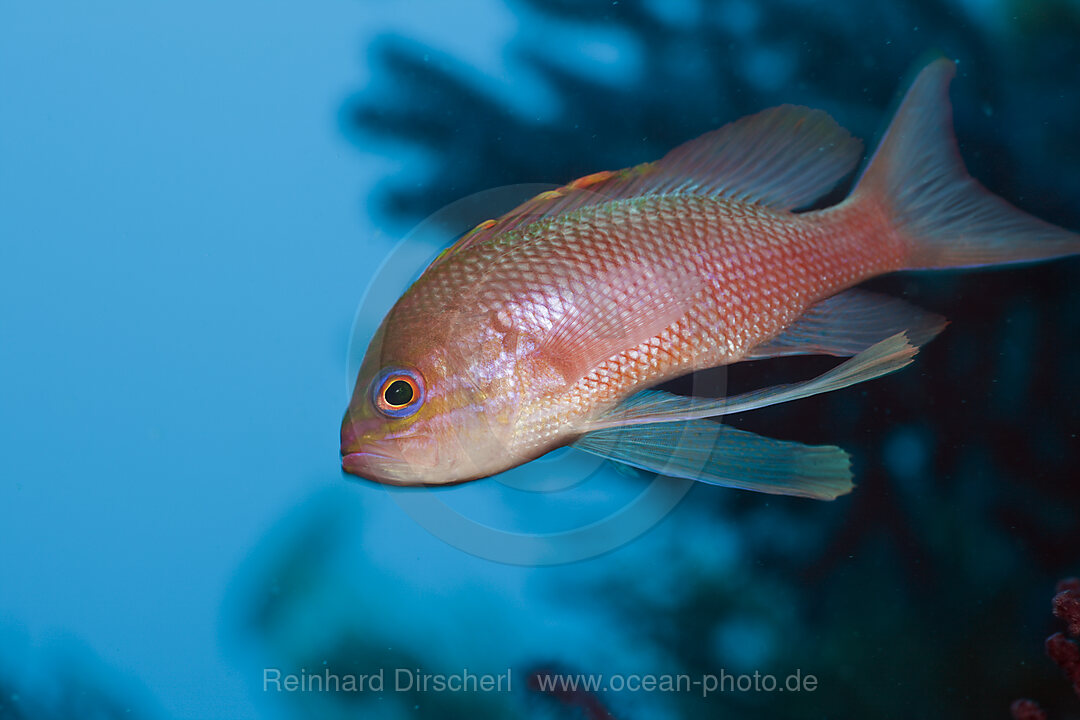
[{"x": 549, "y": 325}]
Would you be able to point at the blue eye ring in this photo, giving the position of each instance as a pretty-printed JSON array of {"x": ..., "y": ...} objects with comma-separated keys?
[{"x": 397, "y": 392}]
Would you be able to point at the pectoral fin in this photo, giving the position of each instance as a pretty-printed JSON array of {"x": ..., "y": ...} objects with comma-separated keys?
[{"x": 721, "y": 455}]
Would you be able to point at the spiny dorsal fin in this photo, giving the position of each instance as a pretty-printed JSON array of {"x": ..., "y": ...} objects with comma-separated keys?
[
  {"x": 784, "y": 157},
  {"x": 572, "y": 196}
]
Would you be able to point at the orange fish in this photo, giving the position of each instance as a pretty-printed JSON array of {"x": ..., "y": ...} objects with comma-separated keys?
[{"x": 548, "y": 326}]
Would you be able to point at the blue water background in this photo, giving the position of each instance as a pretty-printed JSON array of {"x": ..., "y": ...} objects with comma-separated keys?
[{"x": 193, "y": 199}]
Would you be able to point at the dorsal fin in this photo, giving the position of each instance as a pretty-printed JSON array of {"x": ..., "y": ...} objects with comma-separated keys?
[{"x": 784, "y": 157}]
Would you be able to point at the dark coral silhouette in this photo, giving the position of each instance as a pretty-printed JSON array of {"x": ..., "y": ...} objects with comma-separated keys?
[{"x": 1064, "y": 652}]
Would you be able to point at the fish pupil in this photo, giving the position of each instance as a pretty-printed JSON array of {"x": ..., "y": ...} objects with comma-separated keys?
[{"x": 398, "y": 393}]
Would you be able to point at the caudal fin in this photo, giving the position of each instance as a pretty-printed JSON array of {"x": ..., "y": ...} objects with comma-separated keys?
[{"x": 944, "y": 217}]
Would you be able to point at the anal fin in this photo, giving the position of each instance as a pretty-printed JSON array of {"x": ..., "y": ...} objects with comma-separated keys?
[{"x": 849, "y": 323}]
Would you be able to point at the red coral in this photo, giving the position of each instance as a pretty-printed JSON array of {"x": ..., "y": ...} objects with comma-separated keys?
[
  {"x": 1067, "y": 605},
  {"x": 1066, "y": 654},
  {"x": 1027, "y": 710},
  {"x": 1069, "y": 583}
]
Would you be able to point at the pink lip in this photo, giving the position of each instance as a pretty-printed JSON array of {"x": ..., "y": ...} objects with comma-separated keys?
[{"x": 362, "y": 463}]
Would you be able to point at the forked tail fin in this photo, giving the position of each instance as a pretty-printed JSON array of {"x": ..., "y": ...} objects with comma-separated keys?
[{"x": 944, "y": 217}]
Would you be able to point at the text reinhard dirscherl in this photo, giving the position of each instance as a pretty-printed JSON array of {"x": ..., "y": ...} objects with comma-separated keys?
[
  {"x": 416, "y": 680},
  {"x": 402, "y": 680}
]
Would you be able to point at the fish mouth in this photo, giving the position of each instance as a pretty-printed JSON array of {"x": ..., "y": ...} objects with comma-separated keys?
[
  {"x": 382, "y": 468},
  {"x": 364, "y": 464}
]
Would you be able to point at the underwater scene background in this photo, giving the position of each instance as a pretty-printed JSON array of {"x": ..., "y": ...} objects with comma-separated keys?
[{"x": 196, "y": 198}]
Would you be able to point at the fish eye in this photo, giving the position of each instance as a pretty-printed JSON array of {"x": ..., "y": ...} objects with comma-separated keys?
[{"x": 398, "y": 392}]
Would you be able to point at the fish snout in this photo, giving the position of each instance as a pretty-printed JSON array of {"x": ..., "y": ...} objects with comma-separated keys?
[
  {"x": 377, "y": 464},
  {"x": 417, "y": 456},
  {"x": 357, "y": 432},
  {"x": 365, "y": 464},
  {"x": 358, "y": 456},
  {"x": 368, "y": 451}
]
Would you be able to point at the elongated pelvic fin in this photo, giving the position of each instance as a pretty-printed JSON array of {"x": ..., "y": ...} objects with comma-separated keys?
[
  {"x": 846, "y": 324},
  {"x": 721, "y": 455},
  {"x": 655, "y": 406},
  {"x": 605, "y": 316},
  {"x": 944, "y": 217}
]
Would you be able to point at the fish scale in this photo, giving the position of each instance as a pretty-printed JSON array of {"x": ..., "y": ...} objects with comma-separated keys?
[
  {"x": 762, "y": 269},
  {"x": 550, "y": 325}
]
